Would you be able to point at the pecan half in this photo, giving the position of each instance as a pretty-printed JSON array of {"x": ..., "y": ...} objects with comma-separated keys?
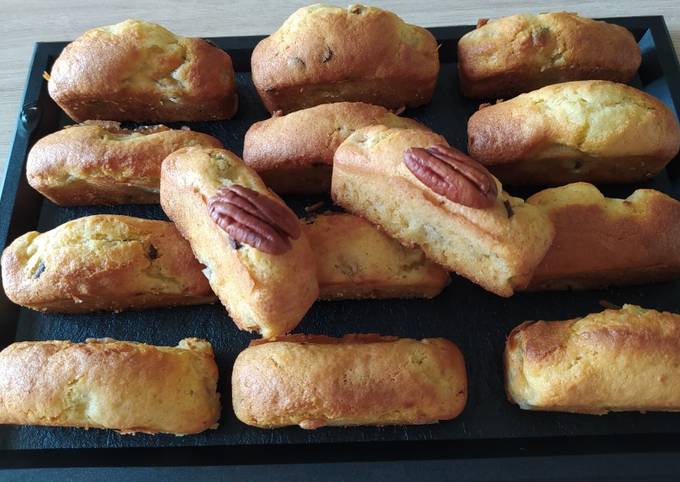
[
  {"x": 452, "y": 174},
  {"x": 251, "y": 218}
]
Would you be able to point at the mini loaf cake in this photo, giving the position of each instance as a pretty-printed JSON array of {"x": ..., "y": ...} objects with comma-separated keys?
[
  {"x": 316, "y": 381},
  {"x": 424, "y": 193},
  {"x": 99, "y": 162},
  {"x": 616, "y": 360},
  {"x": 511, "y": 55},
  {"x": 355, "y": 260},
  {"x": 139, "y": 71},
  {"x": 103, "y": 262},
  {"x": 576, "y": 131},
  {"x": 258, "y": 259},
  {"x": 294, "y": 153},
  {"x": 327, "y": 54},
  {"x": 601, "y": 242},
  {"x": 125, "y": 386}
]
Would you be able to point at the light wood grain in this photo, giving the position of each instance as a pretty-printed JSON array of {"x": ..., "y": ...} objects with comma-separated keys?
[{"x": 28, "y": 21}]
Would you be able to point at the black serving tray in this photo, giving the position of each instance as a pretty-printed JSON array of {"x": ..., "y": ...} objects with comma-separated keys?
[{"x": 476, "y": 320}]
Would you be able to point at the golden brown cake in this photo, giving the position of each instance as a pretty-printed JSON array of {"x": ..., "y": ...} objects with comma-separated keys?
[
  {"x": 259, "y": 262},
  {"x": 316, "y": 381},
  {"x": 327, "y": 54},
  {"x": 576, "y": 131},
  {"x": 355, "y": 260},
  {"x": 103, "y": 262},
  {"x": 139, "y": 71},
  {"x": 426, "y": 194},
  {"x": 99, "y": 162},
  {"x": 511, "y": 55},
  {"x": 602, "y": 242},
  {"x": 616, "y": 360},
  {"x": 126, "y": 386},
  {"x": 294, "y": 153}
]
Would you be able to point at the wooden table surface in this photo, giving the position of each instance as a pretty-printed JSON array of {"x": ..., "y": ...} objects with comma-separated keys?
[{"x": 28, "y": 21}]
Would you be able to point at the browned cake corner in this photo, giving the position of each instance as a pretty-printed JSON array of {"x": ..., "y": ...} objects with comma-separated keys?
[
  {"x": 519, "y": 53},
  {"x": 139, "y": 71},
  {"x": 99, "y": 162},
  {"x": 258, "y": 260},
  {"x": 356, "y": 260},
  {"x": 310, "y": 60},
  {"x": 468, "y": 224},
  {"x": 575, "y": 131},
  {"x": 294, "y": 153},
  {"x": 617, "y": 360},
  {"x": 355, "y": 380},
  {"x": 125, "y": 386},
  {"x": 601, "y": 242},
  {"x": 103, "y": 262}
]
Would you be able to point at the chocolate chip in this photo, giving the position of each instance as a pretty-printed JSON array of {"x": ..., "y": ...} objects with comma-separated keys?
[
  {"x": 151, "y": 252},
  {"x": 577, "y": 166},
  {"x": 508, "y": 208},
  {"x": 327, "y": 55},
  {"x": 234, "y": 244},
  {"x": 39, "y": 271}
]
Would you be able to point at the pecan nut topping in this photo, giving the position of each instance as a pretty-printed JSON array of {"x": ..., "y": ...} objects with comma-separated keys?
[
  {"x": 452, "y": 174},
  {"x": 254, "y": 219}
]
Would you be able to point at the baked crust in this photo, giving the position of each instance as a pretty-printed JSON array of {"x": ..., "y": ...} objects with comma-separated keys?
[
  {"x": 511, "y": 55},
  {"x": 315, "y": 381},
  {"x": 355, "y": 260},
  {"x": 294, "y": 153},
  {"x": 497, "y": 248},
  {"x": 576, "y": 131},
  {"x": 99, "y": 162},
  {"x": 601, "y": 242},
  {"x": 139, "y": 71},
  {"x": 327, "y": 54},
  {"x": 126, "y": 386},
  {"x": 103, "y": 262},
  {"x": 616, "y": 360},
  {"x": 265, "y": 293}
]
